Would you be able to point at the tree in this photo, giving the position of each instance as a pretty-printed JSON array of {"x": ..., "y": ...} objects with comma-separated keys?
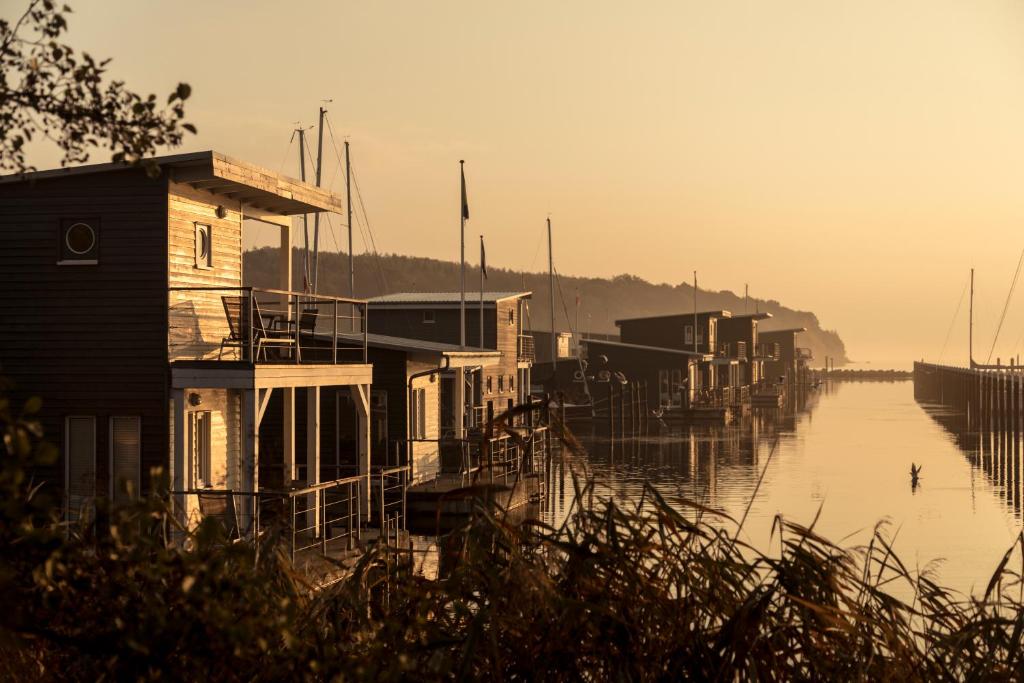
[{"x": 47, "y": 89}]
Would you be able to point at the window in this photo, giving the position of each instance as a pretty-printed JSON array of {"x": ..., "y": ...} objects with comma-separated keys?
[
  {"x": 428, "y": 317},
  {"x": 511, "y": 316},
  {"x": 199, "y": 436},
  {"x": 204, "y": 246},
  {"x": 677, "y": 386},
  {"x": 125, "y": 454},
  {"x": 511, "y": 383},
  {"x": 79, "y": 242},
  {"x": 79, "y": 465},
  {"x": 501, "y": 383},
  {"x": 490, "y": 384},
  {"x": 688, "y": 334},
  {"x": 419, "y": 414}
]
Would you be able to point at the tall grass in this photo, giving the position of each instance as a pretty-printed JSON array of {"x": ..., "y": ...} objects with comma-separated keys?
[{"x": 652, "y": 590}]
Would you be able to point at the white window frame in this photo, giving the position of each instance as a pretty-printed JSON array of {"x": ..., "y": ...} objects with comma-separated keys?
[
  {"x": 429, "y": 317},
  {"x": 688, "y": 334},
  {"x": 110, "y": 451},
  {"x": 198, "y": 481},
  {"x": 67, "y": 458}
]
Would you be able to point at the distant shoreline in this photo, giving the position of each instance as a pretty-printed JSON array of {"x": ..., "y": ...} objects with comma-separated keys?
[{"x": 870, "y": 375}]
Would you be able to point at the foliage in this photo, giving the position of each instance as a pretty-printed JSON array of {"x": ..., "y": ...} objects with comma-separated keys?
[
  {"x": 657, "y": 590},
  {"x": 47, "y": 89}
]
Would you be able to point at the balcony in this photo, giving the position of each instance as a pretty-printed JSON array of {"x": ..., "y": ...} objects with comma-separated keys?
[
  {"x": 767, "y": 351},
  {"x": 804, "y": 354},
  {"x": 736, "y": 350},
  {"x": 525, "y": 349},
  {"x": 264, "y": 326}
]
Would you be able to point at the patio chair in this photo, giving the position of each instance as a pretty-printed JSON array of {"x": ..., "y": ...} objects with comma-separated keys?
[
  {"x": 220, "y": 505},
  {"x": 239, "y": 325}
]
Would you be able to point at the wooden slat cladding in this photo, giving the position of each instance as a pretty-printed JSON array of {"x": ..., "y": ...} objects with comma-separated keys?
[
  {"x": 89, "y": 340},
  {"x": 196, "y": 320}
]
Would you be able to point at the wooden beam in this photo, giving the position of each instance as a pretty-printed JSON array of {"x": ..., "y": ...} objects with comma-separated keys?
[
  {"x": 264, "y": 401},
  {"x": 178, "y": 467},
  {"x": 361, "y": 399},
  {"x": 288, "y": 436}
]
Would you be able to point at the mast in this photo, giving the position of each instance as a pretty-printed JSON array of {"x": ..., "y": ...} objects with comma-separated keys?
[
  {"x": 305, "y": 222},
  {"x": 746, "y": 298},
  {"x": 316, "y": 216},
  {"x": 462, "y": 256},
  {"x": 970, "y": 325},
  {"x": 551, "y": 287},
  {"x": 482, "y": 266},
  {"x": 695, "y": 311},
  {"x": 348, "y": 206}
]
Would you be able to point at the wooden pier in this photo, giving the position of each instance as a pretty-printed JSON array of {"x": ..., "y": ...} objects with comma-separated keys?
[{"x": 989, "y": 397}]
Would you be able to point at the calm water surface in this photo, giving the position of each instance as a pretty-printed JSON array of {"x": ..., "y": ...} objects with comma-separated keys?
[{"x": 845, "y": 449}]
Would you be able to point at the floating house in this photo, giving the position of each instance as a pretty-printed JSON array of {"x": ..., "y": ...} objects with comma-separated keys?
[
  {"x": 672, "y": 376},
  {"x": 125, "y": 310},
  {"x": 468, "y": 394},
  {"x": 789, "y": 362}
]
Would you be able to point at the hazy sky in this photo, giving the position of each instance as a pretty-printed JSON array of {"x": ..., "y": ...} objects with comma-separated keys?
[{"x": 851, "y": 158}]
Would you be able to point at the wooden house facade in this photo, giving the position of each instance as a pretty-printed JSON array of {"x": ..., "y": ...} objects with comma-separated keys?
[
  {"x": 672, "y": 376},
  {"x": 469, "y": 393},
  {"x": 789, "y": 361},
  {"x": 125, "y": 311}
]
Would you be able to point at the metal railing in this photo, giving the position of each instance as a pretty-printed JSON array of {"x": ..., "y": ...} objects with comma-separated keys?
[
  {"x": 804, "y": 354},
  {"x": 767, "y": 351},
  {"x": 736, "y": 349},
  {"x": 388, "y": 500},
  {"x": 260, "y": 325},
  {"x": 326, "y": 516},
  {"x": 526, "y": 351}
]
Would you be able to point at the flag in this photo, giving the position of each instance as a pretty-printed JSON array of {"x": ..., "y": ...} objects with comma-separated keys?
[
  {"x": 465, "y": 201},
  {"x": 483, "y": 257}
]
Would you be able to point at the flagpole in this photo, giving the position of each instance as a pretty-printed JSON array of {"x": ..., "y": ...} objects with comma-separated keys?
[
  {"x": 462, "y": 258},
  {"x": 482, "y": 266}
]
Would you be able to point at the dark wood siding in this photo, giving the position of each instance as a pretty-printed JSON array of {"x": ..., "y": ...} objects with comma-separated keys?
[{"x": 89, "y": 340}]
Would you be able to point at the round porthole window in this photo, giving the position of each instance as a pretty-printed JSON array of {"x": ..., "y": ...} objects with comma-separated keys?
[{"x": 80, "y": 238}]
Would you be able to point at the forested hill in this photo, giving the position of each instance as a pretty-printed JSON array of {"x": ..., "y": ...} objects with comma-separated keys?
[{"x": 602, "y": 300}]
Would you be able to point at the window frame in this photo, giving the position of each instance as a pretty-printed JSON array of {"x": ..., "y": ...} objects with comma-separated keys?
[
  {"x": 429, "y": 316},
  {"x": 67, "y": 459},
  {"x": 198, "y": 229},
  {"x": 64, "y": 225},
  {"x": 110, "y": 452},
  {"x": 194, "y": 419}
]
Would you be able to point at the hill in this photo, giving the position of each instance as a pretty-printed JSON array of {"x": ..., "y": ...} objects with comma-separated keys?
[{"x": 602, "y": 300}]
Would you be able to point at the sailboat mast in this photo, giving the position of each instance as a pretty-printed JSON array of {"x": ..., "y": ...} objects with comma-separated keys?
[
  {"x": 551, "y": 287},
  {"x": 970, "y": 325},
  {"x": 305, "y": 223},
  {"x": 316, "y": 216},
  {"x": 348, "y": 206},
  {"x": 695, "y": 311}
]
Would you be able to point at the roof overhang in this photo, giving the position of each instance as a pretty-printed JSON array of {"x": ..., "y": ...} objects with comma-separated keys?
[{"x": 218, "y": 173}]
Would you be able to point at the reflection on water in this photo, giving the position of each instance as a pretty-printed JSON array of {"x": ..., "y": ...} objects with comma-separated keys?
[
  {"x": 845, "y": 450},
  {"x": 993, "y": 449}
]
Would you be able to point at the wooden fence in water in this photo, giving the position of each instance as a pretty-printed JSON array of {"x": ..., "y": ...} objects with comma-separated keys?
[{"x": 989, "y": 396}]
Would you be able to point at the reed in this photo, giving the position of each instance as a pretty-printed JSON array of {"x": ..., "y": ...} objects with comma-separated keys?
[{"x": 660, "y": 589}]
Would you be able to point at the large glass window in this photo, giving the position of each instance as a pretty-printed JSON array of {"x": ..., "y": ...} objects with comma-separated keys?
[
  {"x": 80, "y": 465},
  {"x": 200, "y": 436}
]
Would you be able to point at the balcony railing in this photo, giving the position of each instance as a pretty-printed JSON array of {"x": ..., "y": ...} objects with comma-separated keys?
[
  {"x": 804, "y": 354},
  {"x": 767, "y": 351},
  {"x": 736, "y": 349},
  {"x": 327, "y": 518},
  {"x": 526, "y": 353},
  {"x": 257, "y": 325}
]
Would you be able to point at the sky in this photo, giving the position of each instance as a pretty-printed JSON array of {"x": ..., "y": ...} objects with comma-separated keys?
[{"x": 853, "y": 159}]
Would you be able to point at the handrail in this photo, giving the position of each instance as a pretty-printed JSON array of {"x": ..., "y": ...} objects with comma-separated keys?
[{"x": 267, "y": 290}]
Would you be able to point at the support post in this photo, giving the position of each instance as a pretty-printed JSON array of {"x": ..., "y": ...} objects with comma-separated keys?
[
  {"x": 361, "y": 400},
  {"x": 250, "y": 454},
  {"x": 313, "y": 458},
  {"x": 288, "y": 434},
  {"x": 178, "y": 466}
]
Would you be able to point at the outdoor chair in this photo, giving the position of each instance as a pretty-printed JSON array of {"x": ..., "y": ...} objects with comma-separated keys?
[
  {"x": 239, "y": 327},
  {"x": 220, "y": 506}
]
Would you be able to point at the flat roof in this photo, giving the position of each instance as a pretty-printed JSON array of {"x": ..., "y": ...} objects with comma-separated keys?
[
  {"x": 216, "y": 172},
  {"x": 643, "y": 347},
  {"x": 717, "y": 314},
  {"x": 755, "y": 316},
  {"x": 443, "y": 298},
  {"x": 785, "y": 329},
  {"x": 458, "y": 355}
]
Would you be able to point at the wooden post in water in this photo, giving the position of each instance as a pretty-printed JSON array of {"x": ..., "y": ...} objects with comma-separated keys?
[{"x": 611, "y": 410}]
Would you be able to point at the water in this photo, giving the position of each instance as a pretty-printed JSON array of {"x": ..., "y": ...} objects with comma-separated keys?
[{"x": 846, "y": 450}]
